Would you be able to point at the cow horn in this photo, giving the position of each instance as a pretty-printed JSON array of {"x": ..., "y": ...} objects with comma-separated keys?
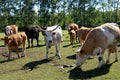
[
  {"x": 49, "y": 30},
  {"x": 42, "y": 29},
  {"x": 55, "y": 28}
]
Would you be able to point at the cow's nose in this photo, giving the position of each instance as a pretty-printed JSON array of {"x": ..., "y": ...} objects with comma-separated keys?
[{"x": 50, "y": 41}]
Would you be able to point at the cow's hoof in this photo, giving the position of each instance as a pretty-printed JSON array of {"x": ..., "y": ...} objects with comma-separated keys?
[
  {"x": 23, "y": 56},
  {"x": 107, "y": 62},
  {"x": 116, "y": 60}
]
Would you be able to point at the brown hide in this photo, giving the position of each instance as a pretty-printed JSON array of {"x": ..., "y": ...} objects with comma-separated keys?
[
  {"x": 73, "y": 26},
  {"x": 93, "y": 40},
  {"x": 14, "y": 29},
  {"x": 16, "y": 40},
  {"x": 72, "y": 36},
  {"x": 96, "y": 38},
  {"x": 82, "y": 33}
]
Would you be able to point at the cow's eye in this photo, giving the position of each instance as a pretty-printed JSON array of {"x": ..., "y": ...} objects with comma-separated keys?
[
  {"x": 44, "y": 34},
  {"x": 53, "y": 33}
]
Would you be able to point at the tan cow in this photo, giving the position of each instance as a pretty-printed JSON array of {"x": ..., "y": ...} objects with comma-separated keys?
[
  {"x": 72, "y": 36},
  {"x": 10, "y": 29},
  {"x": 74, "y": 27},
  {"x": 14, "y": 41},
  {"x": 82, "y": 33},
  {"x": 97, "y": 41}
]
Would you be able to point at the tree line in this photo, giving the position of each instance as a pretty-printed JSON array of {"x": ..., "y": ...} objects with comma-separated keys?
[{"x": 45, "y": 13}]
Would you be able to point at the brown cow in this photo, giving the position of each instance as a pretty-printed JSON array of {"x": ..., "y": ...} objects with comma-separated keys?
[
  {"x": 74, "y": 27},
  {"x": 14, "y": 41},
  {"x": 82, "y": 33},
  {"x": 10, "y": 29},
  {"x": 72, "y": 36},
  {"x": 97, "y": 41}
]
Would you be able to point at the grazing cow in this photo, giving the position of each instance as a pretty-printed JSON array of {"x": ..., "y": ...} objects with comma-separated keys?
[
  {"x": 53, "y": 35},
  {"x": 72, "y": 36},
  {"x": 100, "y": 38},
  {"x": 14, "y": 41},
  {"x": 82, "y": 33},
  {"x": 10, "y": 29},
  {"x": 32, "y": 32},
  {"x": 74, "y": 27}
]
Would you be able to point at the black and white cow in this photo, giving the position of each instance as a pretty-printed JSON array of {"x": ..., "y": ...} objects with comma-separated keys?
[{"x": 53, "y": 35}]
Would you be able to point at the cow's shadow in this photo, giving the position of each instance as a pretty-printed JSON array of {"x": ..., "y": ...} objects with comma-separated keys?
[
  {"x": 67, "y": 45},
  {"x": 33, "y": 64},
  {"x": 77, "y": 73},
  {"x": 71, "y": 56},
  {"x": 74, "y": 57},
  {"x": 42, "y": 45}
]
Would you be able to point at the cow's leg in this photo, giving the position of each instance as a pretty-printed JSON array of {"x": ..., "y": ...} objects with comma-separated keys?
[
  {"x": 47, "y": 50},
  {"x": 101, "y": 60},
  {"x": 108, "y": 57},
  {"x": 9, "y": 56},
  {"x": 23, "y": 50},
  {"x": 57, "y": 46},
  {"x": 37, "y": 39},
  {"x": 32, "y": 42},
  {"x": 116, "y": 57},
  {"x": 28, "y": 43},
  {"x": 17, "y": 53}
]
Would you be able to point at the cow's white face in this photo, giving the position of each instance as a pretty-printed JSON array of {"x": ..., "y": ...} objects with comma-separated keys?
[
  {"x": 8, "y": 30},
  {"x": 80, "y": 58},
  {"x": 48, "y": 35}
]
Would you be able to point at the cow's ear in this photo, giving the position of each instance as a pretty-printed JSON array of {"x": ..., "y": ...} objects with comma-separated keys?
[
  {"x": 53, "y": 33},
  {"x": 43, "y": 33}
]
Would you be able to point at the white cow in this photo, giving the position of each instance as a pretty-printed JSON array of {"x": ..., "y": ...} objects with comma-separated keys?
[
  {"x": 53, "y": 35},
  {"x": 10, "y": 29},
  {"x": 97, "y": 41}
]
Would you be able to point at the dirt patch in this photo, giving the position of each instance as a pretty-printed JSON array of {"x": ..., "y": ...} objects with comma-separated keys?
[{"x": 3, "y": 51}]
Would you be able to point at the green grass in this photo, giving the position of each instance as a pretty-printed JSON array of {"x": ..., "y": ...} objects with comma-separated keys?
[{"x": 35, "y": 67}]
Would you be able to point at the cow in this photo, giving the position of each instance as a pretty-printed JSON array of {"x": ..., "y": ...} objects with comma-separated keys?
[
  {"x": 72, "y": 34},
  {"x": 14, "y": 41},
  {"x": 98, "y": 40},
  {"x": 32, "y": 32},
  {"x": 74, "y": 27},
  {"x": 53, "y": 35},
  {"x": 82, "y": 33},
  {"x": 10, "y": 29}
]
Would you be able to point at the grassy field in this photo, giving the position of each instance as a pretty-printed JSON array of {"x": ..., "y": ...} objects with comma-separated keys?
[{"x": 35, "y": 67}]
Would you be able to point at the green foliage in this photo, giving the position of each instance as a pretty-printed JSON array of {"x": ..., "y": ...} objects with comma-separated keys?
[{"x": 88, "y": 13}]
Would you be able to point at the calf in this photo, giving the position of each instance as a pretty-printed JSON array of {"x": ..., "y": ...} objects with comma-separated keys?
[
  {"x": 74, "y": 27},
  {"x": 14, "y": 41},
  {"x": 32, "y": 32},
  {"x": 100, "y": 38},
  {"x": 82, "y": 33},
  {"x": 53, "y": 35},
  {"x": 72, "y": 36},
  {"x": 10, "y": 29}
]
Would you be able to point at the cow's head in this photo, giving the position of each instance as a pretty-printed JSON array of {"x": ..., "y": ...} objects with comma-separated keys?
[
  {"x": 80, "y": 57},
  {"x": 8, "y": 30},
  {"x": 49, "y": 35}
]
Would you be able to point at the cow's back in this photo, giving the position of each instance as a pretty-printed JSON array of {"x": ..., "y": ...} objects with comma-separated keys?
[
  {"x": 102, "y": 37},
  {"x": 32, "y": 31},
  {"x": 17, "y": 39}
]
